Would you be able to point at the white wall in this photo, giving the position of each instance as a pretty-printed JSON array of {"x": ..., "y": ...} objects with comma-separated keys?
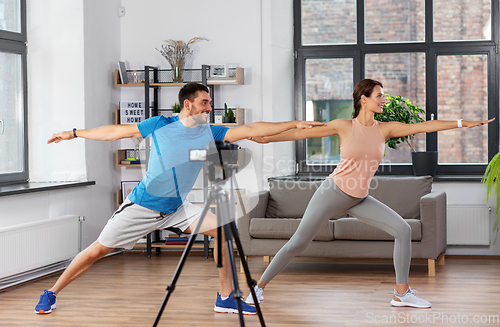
[
  {"x": 71, "y": 48},
  {"x": 238, "y": 32},
  {"x": 467, "y": 193}
]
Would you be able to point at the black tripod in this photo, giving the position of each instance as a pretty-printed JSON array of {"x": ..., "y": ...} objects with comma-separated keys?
[{"x": 225, "y": 211}]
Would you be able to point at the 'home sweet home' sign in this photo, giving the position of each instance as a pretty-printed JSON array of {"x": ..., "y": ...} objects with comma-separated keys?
[{"x": 131, "y": 112}]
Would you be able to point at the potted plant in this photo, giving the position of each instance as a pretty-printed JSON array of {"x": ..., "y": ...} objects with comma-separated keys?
[
  {"x": 228, "y": 115},
  {"x": 491, "y": 179},
  {"x": 176, "y": 109},
  {"x": 402, "y": 110}
]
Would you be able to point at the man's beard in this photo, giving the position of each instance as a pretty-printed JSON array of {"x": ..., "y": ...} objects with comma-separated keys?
[{"x": 201, "y": 118}]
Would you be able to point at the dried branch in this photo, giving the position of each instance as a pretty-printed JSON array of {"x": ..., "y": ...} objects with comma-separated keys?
[{"x": 177, "y": 52}]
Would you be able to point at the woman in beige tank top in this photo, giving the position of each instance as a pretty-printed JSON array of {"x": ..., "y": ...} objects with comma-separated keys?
[{"x": 362, "y": 142}]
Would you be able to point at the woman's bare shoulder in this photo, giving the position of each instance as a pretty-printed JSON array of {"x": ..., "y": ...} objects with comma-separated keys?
[{"x": 341, "y": 122}]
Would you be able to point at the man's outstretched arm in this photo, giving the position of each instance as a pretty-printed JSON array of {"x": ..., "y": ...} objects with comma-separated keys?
[
  {"x": 103, "y": 133},
  {"x": 266, "y": 129}
]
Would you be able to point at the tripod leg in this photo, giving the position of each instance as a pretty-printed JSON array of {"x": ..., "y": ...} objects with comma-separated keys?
[
  {"x": 234, "y": 230},
  {"x": 223, "y": 218},
  {"x": 237, "y": 292},
  {"x": 219, "y": 244},
  {"x": 185, "y": 253},
  {"x": 251, "y": 282}
]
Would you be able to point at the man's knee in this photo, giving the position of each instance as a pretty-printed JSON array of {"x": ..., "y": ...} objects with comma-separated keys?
[{"x": 96, "y": 250}]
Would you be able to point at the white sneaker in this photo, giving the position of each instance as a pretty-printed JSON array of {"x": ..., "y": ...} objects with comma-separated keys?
[
  {"x": 258, "y": 292},
  {"x": 409, "y": 299}
]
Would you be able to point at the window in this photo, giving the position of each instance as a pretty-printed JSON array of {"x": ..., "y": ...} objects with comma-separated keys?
[
  {"x": 328, "y": 93},
  {"x": 13, "y": 104},
  {"x": 462, "y": 91},
  {"x": 440, "y": 54}
]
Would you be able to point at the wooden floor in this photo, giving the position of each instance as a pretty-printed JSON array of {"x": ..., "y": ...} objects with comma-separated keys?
[{"x": 127, "y": 290}]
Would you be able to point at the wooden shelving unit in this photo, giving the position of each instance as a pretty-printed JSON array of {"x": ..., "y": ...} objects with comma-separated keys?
[
  {"x": 238, "y": 79},
  {"x": 240, "y": 118},
  {"x": 118, "y": 81},
  {"x": 122, "y": 155},
  {"x": 163, "y": 78}
]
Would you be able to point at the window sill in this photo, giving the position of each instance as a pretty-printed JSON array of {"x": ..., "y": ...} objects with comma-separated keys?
[
  {"x": 437, "y": 178},
  {"x": 24, "y": 188}
]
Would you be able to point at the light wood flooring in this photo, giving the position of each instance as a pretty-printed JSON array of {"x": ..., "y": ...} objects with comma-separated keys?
[{"x": 128, "y": 289}]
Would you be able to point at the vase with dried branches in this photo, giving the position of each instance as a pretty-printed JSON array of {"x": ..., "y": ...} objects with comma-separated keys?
[{"x": 177, "y": 53}]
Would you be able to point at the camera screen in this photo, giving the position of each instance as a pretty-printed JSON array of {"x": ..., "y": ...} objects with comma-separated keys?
[{"x": 197, "y": 155}]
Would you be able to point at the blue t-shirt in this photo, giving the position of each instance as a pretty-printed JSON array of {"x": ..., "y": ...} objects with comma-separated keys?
[{"x": 171, "y": 175}]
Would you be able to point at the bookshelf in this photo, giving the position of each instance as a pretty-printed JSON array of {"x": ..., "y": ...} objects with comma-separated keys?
[{"x": 152, "y": 79}]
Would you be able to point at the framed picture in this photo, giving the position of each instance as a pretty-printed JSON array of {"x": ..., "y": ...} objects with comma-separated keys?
[
  {"x": 127, "y": 187},
  {"x": 122, "y": 69},
  {"x": 218, "y": 70}
]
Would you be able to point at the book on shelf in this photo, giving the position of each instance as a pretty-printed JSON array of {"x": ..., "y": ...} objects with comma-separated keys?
[
  {"x": 130, "y": 162},
  {"x": 172, "y": 239},
  {"x": 176, "y": 242}
]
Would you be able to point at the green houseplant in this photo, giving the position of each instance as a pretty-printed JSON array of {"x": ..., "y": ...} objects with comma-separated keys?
[
  {"x": 399, "y": 109},
  {"x": 228, "y": 115},
  {"x": 491, "y": 179},
  {"x": 176, "y": 109}
]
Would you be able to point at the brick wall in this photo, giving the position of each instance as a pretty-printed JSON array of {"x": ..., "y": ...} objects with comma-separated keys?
[{"x": 462, "y": 82}]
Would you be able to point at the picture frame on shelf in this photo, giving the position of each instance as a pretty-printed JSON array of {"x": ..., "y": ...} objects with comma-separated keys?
[
  {"x": 122, "y": 69},
  {"x": 127, "y": 187},
  {"x": 219, "y": 71}
]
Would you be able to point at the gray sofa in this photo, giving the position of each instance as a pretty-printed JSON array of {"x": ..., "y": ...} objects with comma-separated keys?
[{"x": 274, "y": 216}]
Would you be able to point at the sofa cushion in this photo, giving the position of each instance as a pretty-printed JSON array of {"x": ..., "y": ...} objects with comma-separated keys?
[
  {"x": 289, "y": 198},
  {"x": 354, "y": 229},
  {"x": 283, "y": 228},
  {"x": 401, "y": 194}
]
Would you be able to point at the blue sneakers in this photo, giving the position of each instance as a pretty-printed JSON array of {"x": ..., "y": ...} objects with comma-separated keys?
[
  {"x": 47, "y": 302},
  {"x": 229, "y": 306}
]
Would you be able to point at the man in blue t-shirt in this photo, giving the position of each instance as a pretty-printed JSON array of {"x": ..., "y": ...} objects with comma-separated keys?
[{"x": 158, "y": 201}]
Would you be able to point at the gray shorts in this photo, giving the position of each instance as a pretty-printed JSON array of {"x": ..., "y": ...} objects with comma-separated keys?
[{"x": 131, "y": 222}]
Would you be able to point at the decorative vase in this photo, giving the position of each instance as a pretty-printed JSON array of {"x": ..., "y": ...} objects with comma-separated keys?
[
  {"x": 177, "y": 71},
  {"x": 229, "y": 120},
  {"x": 425, "y": 163}
]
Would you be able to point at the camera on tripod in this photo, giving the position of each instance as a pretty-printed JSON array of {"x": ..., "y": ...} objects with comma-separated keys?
[{"x": 221, "y": 158}]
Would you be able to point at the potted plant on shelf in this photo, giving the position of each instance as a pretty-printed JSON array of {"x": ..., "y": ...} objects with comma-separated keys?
[
  {"x": 402, "y": 110},
  {"x": 491, "y": 179},
  {"x": 228, "y": 115},
  {"x": 176, "y": 109}
]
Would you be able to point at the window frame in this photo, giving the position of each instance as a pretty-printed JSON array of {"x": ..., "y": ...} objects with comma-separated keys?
[
  {"x": 17, "y": 43},
  {"x": 432, "y": 50}
]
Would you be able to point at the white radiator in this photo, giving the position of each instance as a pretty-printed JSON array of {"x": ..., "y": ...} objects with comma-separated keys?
[
  {"x": 468, "y": 224},
  {"x": 30, "y": 246}
]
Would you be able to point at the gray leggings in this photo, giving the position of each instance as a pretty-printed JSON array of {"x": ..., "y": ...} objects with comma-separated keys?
[{"x": 329, "y": 200}]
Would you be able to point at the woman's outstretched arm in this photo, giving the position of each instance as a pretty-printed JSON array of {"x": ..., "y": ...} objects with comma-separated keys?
[
  {"x": 331, "y": 128},
  {"x": 395, "y": 129}
]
